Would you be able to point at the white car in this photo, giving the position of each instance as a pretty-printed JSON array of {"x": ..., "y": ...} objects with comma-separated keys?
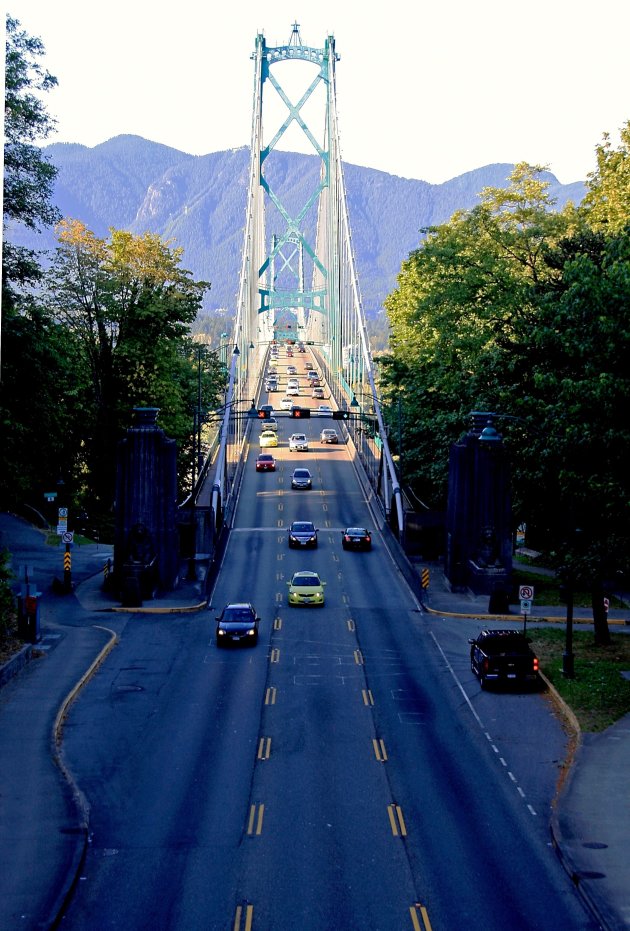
[
  {"x": 325, "y": 410},
  {"x": 286, "y": 404},
  {"x": 298, "y": 442},
  {"x": 292, "y": 390}
]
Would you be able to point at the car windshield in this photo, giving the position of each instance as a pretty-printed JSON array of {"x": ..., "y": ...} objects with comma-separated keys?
[
  {"x": 307, "y": 581},
  {"x": 302, "y": 526},
  {"x": 301, "y": 473},
  {"x": 237, "y": 615}
]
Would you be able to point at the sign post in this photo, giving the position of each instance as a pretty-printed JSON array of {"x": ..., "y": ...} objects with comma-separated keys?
[{"x": 526, "y": 595}]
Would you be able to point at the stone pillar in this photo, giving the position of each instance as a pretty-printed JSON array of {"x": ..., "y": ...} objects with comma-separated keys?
[
  {"x": 479, "y": 531},
  {"x": 146, "y": 555}
]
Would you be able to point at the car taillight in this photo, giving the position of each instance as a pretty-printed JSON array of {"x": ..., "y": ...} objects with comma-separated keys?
[
  {"x": 486, "y": 664},
  {"x": 346, "y": 537},
  {"x": 535, "y": 664}
]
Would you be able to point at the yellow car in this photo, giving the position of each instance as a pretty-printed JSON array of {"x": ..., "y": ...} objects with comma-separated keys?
[
  {"x": 268, "y": 438},
  {"x": 306, "y": 588}
]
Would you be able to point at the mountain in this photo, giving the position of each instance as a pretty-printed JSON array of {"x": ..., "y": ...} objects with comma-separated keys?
[{"x": 198, "y": 202}]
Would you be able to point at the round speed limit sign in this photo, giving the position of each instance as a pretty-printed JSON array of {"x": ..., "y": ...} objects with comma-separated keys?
[{"x": 526, "y": 592}]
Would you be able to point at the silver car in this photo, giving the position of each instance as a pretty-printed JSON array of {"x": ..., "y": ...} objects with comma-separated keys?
[{"x": 298, "y": 442}]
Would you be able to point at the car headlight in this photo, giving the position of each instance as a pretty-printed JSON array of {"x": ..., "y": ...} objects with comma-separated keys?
[
  {"x": 220, "y": 633},
  {"x": 250, "y": 633}
]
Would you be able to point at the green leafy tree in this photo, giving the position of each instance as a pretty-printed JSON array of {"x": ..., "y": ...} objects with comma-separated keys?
[
  {"x": 129, "y": 306},
  {"x": 28, "y": 174},
  {"x": 607, "y": 202},
  {"x": 40, "y": 387},
  {"x": 581, "y": 388},
  {"x": 461, "y": 319}
]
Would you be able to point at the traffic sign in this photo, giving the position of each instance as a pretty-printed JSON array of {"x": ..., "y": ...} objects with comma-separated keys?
[
  {"x": 68, "y": 536},
  {"x": 526, "y": 592},
  {"x": 526, "y": 606}
]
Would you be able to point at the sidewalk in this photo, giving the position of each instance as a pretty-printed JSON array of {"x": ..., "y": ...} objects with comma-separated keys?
[{"x": 43, "y": 820}]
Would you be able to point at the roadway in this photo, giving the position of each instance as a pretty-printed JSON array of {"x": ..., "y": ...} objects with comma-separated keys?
[{"x": 347, "y": 772}]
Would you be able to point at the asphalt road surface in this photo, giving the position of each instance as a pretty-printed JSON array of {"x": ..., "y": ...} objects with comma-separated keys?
[{"x": 345, "y": 773}]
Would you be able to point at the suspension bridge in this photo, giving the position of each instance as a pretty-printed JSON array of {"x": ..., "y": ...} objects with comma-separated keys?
[{"x": 298, "y": 280}]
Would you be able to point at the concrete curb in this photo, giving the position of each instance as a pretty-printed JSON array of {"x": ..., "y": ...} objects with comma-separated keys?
[
  {"x": 14, "y": 665},
  {"x": 182, "y": 609},
  {"x": 532, "y": 618}
]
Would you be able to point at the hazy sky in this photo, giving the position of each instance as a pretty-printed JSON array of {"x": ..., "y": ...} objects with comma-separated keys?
[{"x": 425, "y": 91}]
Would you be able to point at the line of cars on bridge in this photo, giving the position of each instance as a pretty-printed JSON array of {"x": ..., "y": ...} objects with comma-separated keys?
[{"x": 239, "y": 622}]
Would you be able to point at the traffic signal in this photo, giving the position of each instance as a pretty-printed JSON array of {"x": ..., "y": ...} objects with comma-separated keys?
[
  {"x": 300, "y": 412},
  {"x": 341, "y": 415},
  {"x": 264, "y": 415}
]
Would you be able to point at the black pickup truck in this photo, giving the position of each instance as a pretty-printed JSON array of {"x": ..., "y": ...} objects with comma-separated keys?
[{"x": 503, "y": 657}]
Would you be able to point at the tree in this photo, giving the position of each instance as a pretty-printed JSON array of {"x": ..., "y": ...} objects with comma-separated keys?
[
  {"x": 461, "y": 319},
  {"x": 40, "y": 388},
  {"x": 129, "y": 305},
  {"x": 582, "y": 386},
  {"x": 28, "y": 174},
  {"x": 607, "y": 203}
]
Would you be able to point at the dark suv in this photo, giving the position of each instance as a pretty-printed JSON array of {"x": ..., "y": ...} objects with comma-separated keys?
[{"x": 504, "y": 657}]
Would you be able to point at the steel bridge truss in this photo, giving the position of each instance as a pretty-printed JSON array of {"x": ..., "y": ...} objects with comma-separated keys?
[{"x": 310, "y": 241}]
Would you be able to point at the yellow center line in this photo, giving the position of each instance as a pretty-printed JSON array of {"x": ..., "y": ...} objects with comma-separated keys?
[
  {"x": 351, "y": 626},
  {"x": 254, "y": 825},
  {"x": 418, "y": 911},
  {"x": 368, "y": 698},
  {"x": 358, "y": 657},
  {"x": 379, "y": 750},
  {"x": 270, "y": 695},
  {"x": 264, "y": 748},
  {"x": 249, "y": 914},
  {"x": 277, "y": 623},
  {"x": 275, "y": 655},
  {"x": 396, "y": 820}
]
